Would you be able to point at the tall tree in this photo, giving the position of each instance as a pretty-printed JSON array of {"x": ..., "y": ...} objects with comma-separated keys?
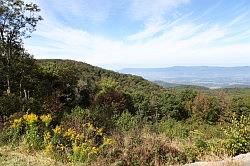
[{"x": 17, "y": 21}]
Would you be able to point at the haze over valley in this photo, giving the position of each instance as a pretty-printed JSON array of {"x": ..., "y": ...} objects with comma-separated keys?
[{"x": 207, "y": 76}]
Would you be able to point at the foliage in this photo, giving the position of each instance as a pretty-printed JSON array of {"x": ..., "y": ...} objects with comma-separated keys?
[
  {"x": 207, "y": 108},
  {"x": 239, "y": 107},
  {"x": 142, "y": 148},
  {"x": 126, "y": 122},
  {"x": 58, "y": 142},
  {"x": 238, "y": 137},
  {"x": 173, "y": 107},
  {"x": 172, "y": 129},
  {"x": 9, "y": 105},
  {"x": 17, "y": 21}
]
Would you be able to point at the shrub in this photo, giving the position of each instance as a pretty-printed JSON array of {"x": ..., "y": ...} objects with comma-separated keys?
[
  {"x": 32, "y": 138},
  {"x": 239, "y": 107},
  {"x": 173, "y": 107},
  {"x": 141, "y": 147},
  {"x": 65, "y": 144},
  {"x": 201, "y": 143},
  {"x": 191, "y": 153},
  {"x": 86, "y": 145},
  {"x": 9, "y": 104},
  {"x": 238, "y": 137},
  {"x": 126, "y": 122},
  {"x": 173, "y": 129},
  {"x": 76, "y": 119}
]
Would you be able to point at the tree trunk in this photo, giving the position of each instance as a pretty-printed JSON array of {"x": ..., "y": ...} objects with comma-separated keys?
[
  {"x": 25, "y": 94},
  {"x": 8, "y": 85},
  {"x": 8, "y": 66}
]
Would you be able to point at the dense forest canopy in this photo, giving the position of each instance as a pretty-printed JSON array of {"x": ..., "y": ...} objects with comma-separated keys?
[{"x": 42, "y": 99}]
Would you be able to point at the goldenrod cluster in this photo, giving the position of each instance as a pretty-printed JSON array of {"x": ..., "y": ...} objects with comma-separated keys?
[
  {"x": 17, "y": 123},
  {"x": 107, "y": 141},
  {"x": 46, "y": 137},
  {"x": 46, "y": 119},
  {"x": 48, "y": 149},
  {"x": 99, "y": 132},
  {"x": 79, "y": 146},
  {"x": 62, "y": 147},
  {"x": 57, "y": 130},
  {"x": 30, "y": 118},
  {"x": 83, "y": 146},
  {"x": 83, "y": 152},
  {"x": 90, "y": 127},
  {"x": 70, "y": 133},
  {"x": 80, "y": 138},
  {"x": 94, "y": 150}
]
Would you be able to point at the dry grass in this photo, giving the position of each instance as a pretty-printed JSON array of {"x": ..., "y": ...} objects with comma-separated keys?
[{"x": 18, "y": 157}]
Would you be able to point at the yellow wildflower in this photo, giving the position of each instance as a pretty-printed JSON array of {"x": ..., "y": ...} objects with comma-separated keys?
[
  {"x": 76, "y": 148},
  {"x": 46, "y": 137},
  {"x": 46, "y": 119},
  {"x": 48, "y": 149},
  {"x": 30, "y": 118},
  {"x": 90, "y": 141},
  {"x": 16, "y": 123},
  {"x": 79, "y": 138},
  {"x": 57, "y": 130},
  {"x": 90, "y": 127},
  {"x": 70, "y": 133},
  {"x": 62, "y": 147},
  {"x": 107, "y": 141},
  {"x": 94, "y": 150},
  {"x": 99, "y": 131},
  {"x": 88, "y": 148}
]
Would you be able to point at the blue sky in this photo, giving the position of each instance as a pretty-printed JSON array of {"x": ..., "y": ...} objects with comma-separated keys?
[{"x": 116, "y": 34}]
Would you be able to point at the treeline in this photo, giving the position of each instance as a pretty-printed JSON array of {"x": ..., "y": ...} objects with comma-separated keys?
[{"x": 68, "y": 84}]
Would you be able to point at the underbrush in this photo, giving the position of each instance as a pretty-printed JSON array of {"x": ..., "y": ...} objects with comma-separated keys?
[
  {"x": 35, "y": 133},
  {"x": 132, "y": 141},
  {"x": 141, "y": 148},
  {"x": 201, "y": 141}
]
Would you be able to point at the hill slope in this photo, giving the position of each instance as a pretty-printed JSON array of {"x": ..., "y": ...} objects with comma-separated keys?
[{"x": 128, "y": 82}]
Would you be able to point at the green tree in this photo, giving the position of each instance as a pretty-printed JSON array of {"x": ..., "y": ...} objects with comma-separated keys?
[
  {"x": 239, "y": 107},
  {"x": 17, "y": 20},
  {"x": 172, "y": 106}
]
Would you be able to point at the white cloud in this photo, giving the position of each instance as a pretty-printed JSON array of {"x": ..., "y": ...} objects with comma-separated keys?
[
  {"x": 196, "y": 48},
  {"x": 178, "y": 42},
  {"x": 152, "y": 14},
  {"x": 153, "y": 27},
  {"x": 238, "y": 19}
]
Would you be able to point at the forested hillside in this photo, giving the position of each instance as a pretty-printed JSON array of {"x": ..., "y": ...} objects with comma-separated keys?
[{"x": 73, "y": 113}]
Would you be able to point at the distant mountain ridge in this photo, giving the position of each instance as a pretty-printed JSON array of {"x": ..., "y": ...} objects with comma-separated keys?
[{"x": 208, "y": 76}]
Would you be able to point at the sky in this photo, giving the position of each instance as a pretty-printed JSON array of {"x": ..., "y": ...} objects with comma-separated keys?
[{"x": 117, "y": 34}]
